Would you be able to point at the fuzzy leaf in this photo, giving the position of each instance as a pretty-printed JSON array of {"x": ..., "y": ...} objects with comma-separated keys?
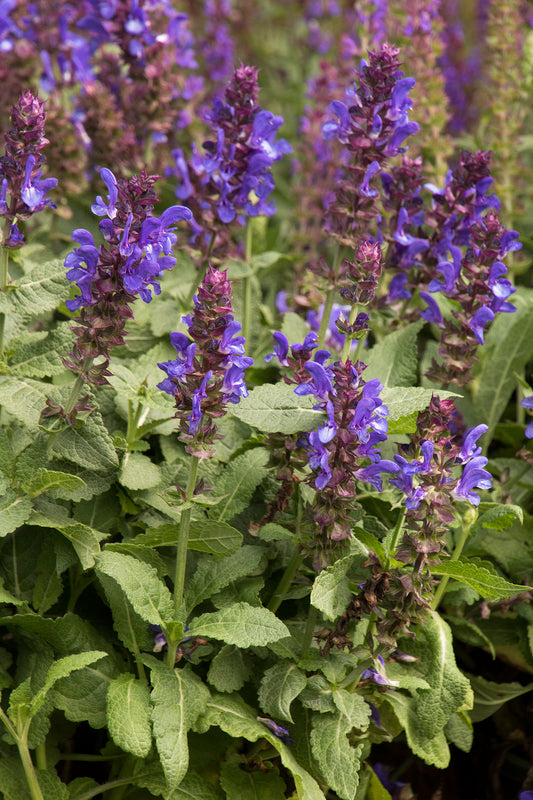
[
  {"x": 331, "y": 592},
  {"x": 236, "y": 718},
  {"x": 40, "y": 290},
  {"x": 433, "y": 750},
  {"x": 484, "y": 582},
  {"x": 245, "y": 784},
  {"x": 139, "y": 472},
  {"x": 128, "y": 715},
  {"x": 238, "y": 483},
  {"x": 44, "y": 480},
  {"x": 61, "y": 669},
  {"x": 490, "y": 696},
  {"x": 88, "y": 445},
  {"x": 35, "y": 354},
  {"x": 207, "y": 536},
  {"x": 240, "y": 624},
  {"x": 211, "y": 576},
  {"x": 338, "y": 761},
  {"x": 131, "y": 629},
  {"x": 24, "y": 398},
  {"x": 280, "y": 685},
  {"x": 228, "y": 671},
  {"x": 499, "y": 517},
  {"x": 148, "y": 594},
  {"x": 178, "y": 698},
  {"x": 394, "y": 360},
  {"x": 14, "y": 511},
  {"x": 403, "y": 401},
  {"x": 273, "y": 408}
]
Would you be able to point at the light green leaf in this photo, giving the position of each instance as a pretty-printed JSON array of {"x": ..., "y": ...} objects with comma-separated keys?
[
  {"x": 40, "y": 290},
  {"x": 236, "y": 718},
  {"x": 460, "y": 731},
  {"x": 207, "y": 536},
  {"x": 35, "y": 354},
  {"x": 212, "y": 575},
  {"x": 14, "y": 511},
  {"x": 486, "y": 583},
  {"x": 128, "y": 715},
  {"x": 353, "y": 708},
  {"x": 434, "y": 750},
  {"x": 61, "y": 669},
  {"x": 20, "y": 704},
  {"x": 394, "y": 360},
  {"x": 13, "y": 783},
  {"x": 280, "y": 685},
  {"x": 246, "y": 784},
  {"x": 139, "y": 472},
  {"x": 294, "y": 327},
  {"x": 48, "y": 585},
  {"x": 228, "y": 671},
  {"x": 499, "y": 517},
  {"x": 338, "y": 761},
  {"x": 131, "y": 629},
  {"x": 403, "y": 401},
  {"x": 331, "y": 592},
  {"x": 148, "y": 594},
  {"x": 24, "y": 398},
  {"x": 178, "y": 698},
  {"x": 490, "y": 696},
  {"x": 240, "y": 624},
  {"x": 84, "y": 540},
  {"x": 87, "y": 444},
  {"x": 43, "y": 480},
  {"x": 239, "y": 480},
  {"x": 375, "y": 789},
  {"x": 274, "y": 408}
]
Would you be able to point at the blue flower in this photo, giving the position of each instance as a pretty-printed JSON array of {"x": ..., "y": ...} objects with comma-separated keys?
[
  {"x": 278, "y": 730},
  {"x": 474, "y": 476}
]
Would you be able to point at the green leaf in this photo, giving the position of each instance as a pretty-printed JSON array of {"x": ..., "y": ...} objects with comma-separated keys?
[
  {"x": 339, "y": 762},
  {"x": 403, "y": 401},
  {"x": 48, "y": 585},
  {"x": 207, "y": 536},
  {"x": 84, "y": 540},
  {"x": 87, "y": 444},
  {"x": 375, "y": 789},
  {"x": 499, "y": 517},
  {"x": 178, "y": 698},
  {"x": 24, "y": 398},
  {"x": 211, "y": 576},
  {"x": 331, "y": 592},
  {"x": 353, "y": 708},
  {"x": 394, "y": 360},
  {"x": 128, "y": 715},
  {"x": 486, "y": 583},
  {"x": 249, "y": 784},
  {"x": 228, "y": 671},
  {"x": 131, "y": 629},
  {"x": 61, "y": 669},
  {"x": 14, "y": 511},
  {"x": 13, "y": 783},
  {"x": 460, "y": 731},
  {"x": 240, "y": 624},
  {"x": 236, "y": 718},
  {"x": 274, "y": 408},
  {"x": 19, "y": 704},
  {"x": 294, "y": 327},
  {"x": 35, "y": 354},
  {"x": 508, "y": 350},
  {"x": 139, "y": 472},
  {"x": 490, "y": 696},
  {"x": 43, "y": 480},
  {"x": 239, "y": 480},
  {"x": 434, "y": 750},
  {"x": 280, "y": 685},
  {"x": 40, "y": 290},
  {"x": 148, "y": 594}
]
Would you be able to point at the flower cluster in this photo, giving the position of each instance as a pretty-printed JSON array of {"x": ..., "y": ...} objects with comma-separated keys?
[
  {"x": 23, "y": 190},
  {"x": 209, "y": 370},
  {"x": 137, "y": 248},
  {"x": 232, "y": 179}
]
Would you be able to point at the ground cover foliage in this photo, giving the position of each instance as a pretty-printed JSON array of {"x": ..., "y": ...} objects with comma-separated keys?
[{"x": 266, "y": 521}]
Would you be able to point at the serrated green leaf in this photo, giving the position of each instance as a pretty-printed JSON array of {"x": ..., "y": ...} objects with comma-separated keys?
[
  {"x": 352, "y": 707},
  {"x": 13, "y": 783},
  {"x": 211, "y": 576},
  {"x": 35, "y": 354},
  {"x": 43, "y": 480},
  {"x": 434, "y": 750},
  {"x": 148, "y": 594},
  {"x": 274, "y": 408},
  {"x": 239, "y": 480},
  {"x": 236, "y": 718},
  {"x": 486, "y": 583},
  {"x": 131, "y": 629},
  {"x": 294, "y": 327},
  {"x": 19, "y": 704},
  {"x": 139, "y": 472},
  {"x": 14, "y": 511},
  {"x": 280, "y": 685},
  {"x": 331, "y": 592},
  {"x": 84, "y": 540},
  {"x": 178, "y": 698},
  {"x": 403, "y": 401},
  {"x": 339, "y": 762},
  {"x": 88, "y": 445},
  {"x": 240, "y": 624},
  {"x": 48, "y": 585},
  {"x": 228, "y": 671},
  {"x": 24, "y": 398},
  {"x": 128, "y": 715},
  {"x": 61, "y": 669},
  {"x": 40, "y": 290},
  {"x": 394, "y": 360},
  {"x": 460, "y": 731},
  {"x": 246, "y": 784},
  {"x": 318, "y": 695},
  {"x": 207, "y": 536},
  {"x": 499, "y": 517}
]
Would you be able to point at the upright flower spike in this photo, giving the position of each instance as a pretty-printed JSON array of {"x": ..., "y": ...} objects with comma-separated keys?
[
  {"x": 209, "y": 370},
  {"x": 22, "y": 188},
  {"x": 137, "y": 248}
]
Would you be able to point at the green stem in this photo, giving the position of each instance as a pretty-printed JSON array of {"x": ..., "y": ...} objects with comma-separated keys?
[
  {"x": 106, "y": 787},
  {"x": 29, "y": 769},
  {"x": 347, "y": 340},
  {"x": 40, "y": 755},
  {"x": 181, "y": 553},
  {"x": 203, "y": 269},
  {"x": 4, "y": 262},
  {"x": 393, "y": 545},
  {"x": 326, "y": 314},
  {"x": 292, "y": 567},
  {"x": 247, "y": 286},
  {"x": 309, "y": 628},
  {"x": 468, "y": 520}
]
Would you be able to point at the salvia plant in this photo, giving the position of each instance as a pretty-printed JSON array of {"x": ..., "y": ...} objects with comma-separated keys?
[{"x": 266, "y": 473}]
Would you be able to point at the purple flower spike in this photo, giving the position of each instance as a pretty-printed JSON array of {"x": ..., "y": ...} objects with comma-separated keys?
[
  {"x": 469, "y": 450},
  {"x": 432, "y": 313},
  {"x": 474, "y": 476},
  {"x": 479, "y": 320},
  {"x": 100, "y": 208}
]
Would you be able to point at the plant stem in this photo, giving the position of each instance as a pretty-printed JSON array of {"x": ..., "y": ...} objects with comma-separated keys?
[
  {"x": 247, "y": 286},
  {"x": 468, "y": 520},
  {"x": 29, "y": 769},
  {"x": 393, "y": 545},
  {"x": 347, "y": 341},
  {"x": 326, "y": 314},
  {"x": 292, "y": 567},
  {"x": 4, "y": 262},
  {"x": 309, "y": 628},
  {"x": 40, "y": 755},
  {"x": 203, "y": 268}
]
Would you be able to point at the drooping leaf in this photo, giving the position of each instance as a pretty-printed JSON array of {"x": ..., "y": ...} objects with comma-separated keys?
[
  {"x": 128, "y": 715},
  {"x": 44, "y": 480},
  {"x": 433, "y": 750},
  {"x": 489, "y": 696},
  {"x": 280, "y": 685},
  {"x": 331, "y": 592},
  {"x": 148, "y": 594},
  {"x": 238, "y": 483},
  {"x": 394, "y": 360},
  {"x": 240, "y": 624},
  {"x": 339, "y": 762},
  {"x": 61, "y": 669},
  {"x": 207, "y": 536},
  {"x": 477, "y": 577},
  {"x": 211, "y": 576},
  {"x": 131, "y": 629},
  {"x": 88, "y": 445},
  {"x": 273, "y": 408},
  {"x": 228, "y": 670}
]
